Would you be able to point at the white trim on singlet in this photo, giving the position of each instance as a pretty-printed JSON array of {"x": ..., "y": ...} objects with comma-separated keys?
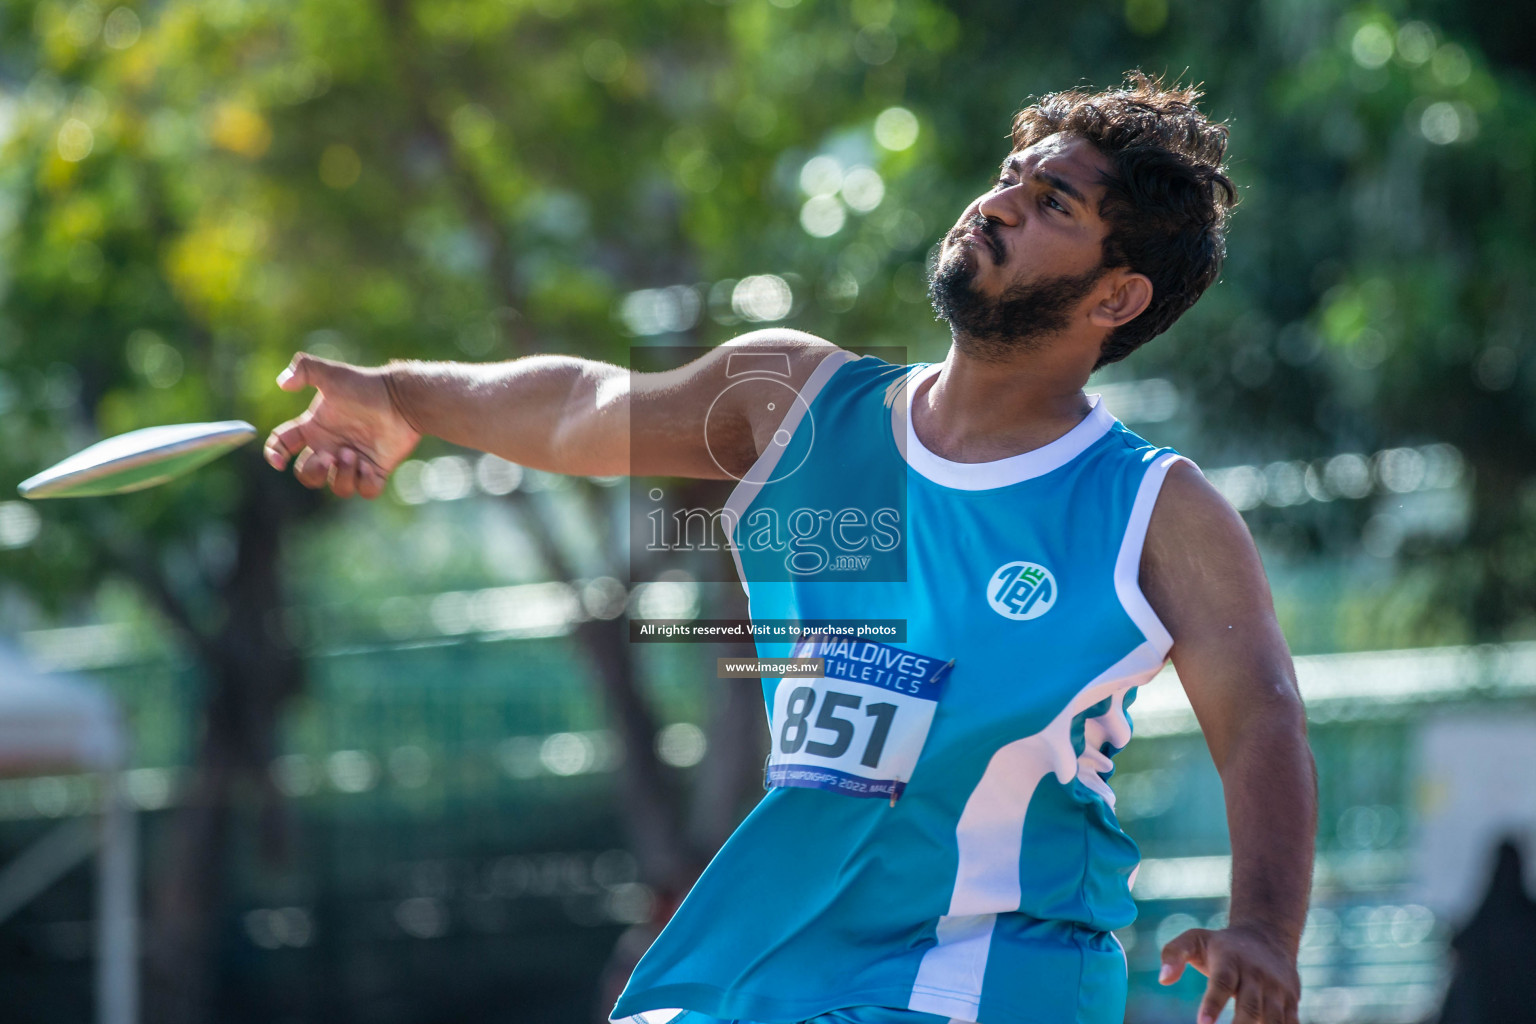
[
  {"x": 656, "y": 1017},
  {"x": 981, "y": 476},
  {"x": 649, "y": 1017},
  {"x": 752, "y": 482},
  {"x": 1113, "y": 726},
  {"x": 1128, "y": 564}
]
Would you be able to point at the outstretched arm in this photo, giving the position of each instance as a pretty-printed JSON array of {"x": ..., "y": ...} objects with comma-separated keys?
[
  {"x": 555, "y": 413},
  {"x": 1202, "y": 575}
]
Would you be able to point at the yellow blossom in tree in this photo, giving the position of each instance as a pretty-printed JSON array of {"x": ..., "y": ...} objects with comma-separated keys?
[{"x": 240, "y": 129}]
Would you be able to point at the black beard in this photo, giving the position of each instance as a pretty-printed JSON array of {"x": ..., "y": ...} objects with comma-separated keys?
[{"x": 1016, "y": 321}]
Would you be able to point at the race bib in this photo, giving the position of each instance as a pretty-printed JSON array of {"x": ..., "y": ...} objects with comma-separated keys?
[{"x": 857, "y": 729}]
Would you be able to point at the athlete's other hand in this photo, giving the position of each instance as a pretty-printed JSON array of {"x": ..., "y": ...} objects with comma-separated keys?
[
  {"x": 351, "y": 436},
  {"x": 1243, "y": 965}
]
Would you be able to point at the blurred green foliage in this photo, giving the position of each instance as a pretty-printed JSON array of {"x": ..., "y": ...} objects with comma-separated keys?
[{"x": 191, "y": 191}]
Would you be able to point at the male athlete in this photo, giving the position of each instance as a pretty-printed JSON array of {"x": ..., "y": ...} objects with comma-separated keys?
[{"x": 938, "y": 842}]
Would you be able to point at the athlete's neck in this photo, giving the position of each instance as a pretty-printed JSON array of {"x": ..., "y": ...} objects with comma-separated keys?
[{"x": 982, "y": 411}]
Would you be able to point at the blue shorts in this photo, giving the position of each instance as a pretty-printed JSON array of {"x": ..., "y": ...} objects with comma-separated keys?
[{"x": 850, "y": 1015}]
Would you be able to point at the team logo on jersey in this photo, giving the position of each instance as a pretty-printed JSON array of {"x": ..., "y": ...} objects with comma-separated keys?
[{"x": 1021, "y": 590}]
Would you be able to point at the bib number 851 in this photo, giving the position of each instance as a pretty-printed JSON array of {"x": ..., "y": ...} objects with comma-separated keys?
[{"x": 795, "y": 733}]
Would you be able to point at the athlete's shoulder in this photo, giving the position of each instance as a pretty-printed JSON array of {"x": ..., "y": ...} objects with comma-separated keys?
[
  {"x": 752, "y": 370},
  {"x": 814, "y": 367},
  {"x": 1126, "y": 441},
  {"x": 778, "y": 351},
  {"x": 1192, "y": 522},
  {"x": 1187, "y": 495},
  {"x": 1125, "y": 455}
]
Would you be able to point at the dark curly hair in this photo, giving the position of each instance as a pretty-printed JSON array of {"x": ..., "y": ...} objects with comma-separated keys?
[{"x": 1167, "y": 194}]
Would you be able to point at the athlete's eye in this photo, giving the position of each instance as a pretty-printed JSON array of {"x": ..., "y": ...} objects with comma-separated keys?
[
  {"x": 1002, "y": 183},
  {"x": 1055, "y": 203}
]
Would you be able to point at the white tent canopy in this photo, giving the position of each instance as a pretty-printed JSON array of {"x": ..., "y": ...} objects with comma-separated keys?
[{"x": 56, "y": 724}]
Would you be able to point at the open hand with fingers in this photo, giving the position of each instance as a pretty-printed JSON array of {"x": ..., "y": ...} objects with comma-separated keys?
[
  {"x": 351, "y": 437},
  {"x": 1243, "y": 965}
]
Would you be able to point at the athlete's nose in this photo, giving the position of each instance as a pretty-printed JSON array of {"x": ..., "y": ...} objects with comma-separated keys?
[{"x": 1004, "y": 205}]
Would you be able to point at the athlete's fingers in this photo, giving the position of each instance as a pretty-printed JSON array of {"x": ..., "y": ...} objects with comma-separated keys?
[
  {"x": 1220, "y": 988},
  {"x": 1251, "y": 1005},
  {"x": 305, "y": 371},
  {"x": 370, "y": 481},
  {"x": 343, "y": 475},
  {"x": 1185, "y": 948},
  {"x": 285, "y": 441},
  {"x": 312, "y": 468}
]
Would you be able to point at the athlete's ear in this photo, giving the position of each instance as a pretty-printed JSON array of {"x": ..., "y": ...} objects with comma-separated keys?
[{"x": 1129, "y": 294}]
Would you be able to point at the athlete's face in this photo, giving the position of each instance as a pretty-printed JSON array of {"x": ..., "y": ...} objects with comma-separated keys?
[{"x": 1024, "y": 257}]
